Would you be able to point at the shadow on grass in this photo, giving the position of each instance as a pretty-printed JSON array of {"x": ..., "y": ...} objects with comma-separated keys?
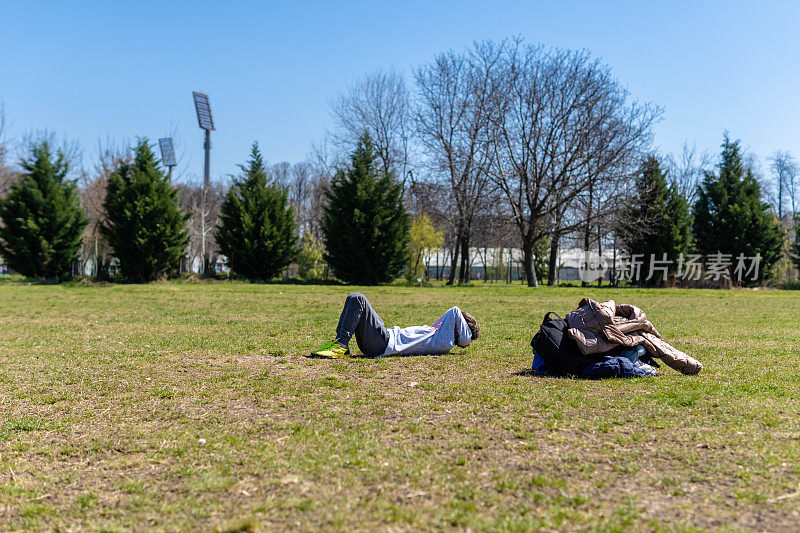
[
  {"x": 533, "y": 374},
  {"x": 18, "y": 279},
  {"x": 375, "y": 357}
]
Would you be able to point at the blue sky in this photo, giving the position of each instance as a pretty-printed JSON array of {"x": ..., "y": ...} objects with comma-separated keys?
[{"x": 88, "y": 71}]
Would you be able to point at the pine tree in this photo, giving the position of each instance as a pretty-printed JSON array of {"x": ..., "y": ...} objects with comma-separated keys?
[
  {"x": 658, "y": 222},
  {"x": 541, "y": 257},
  {"x": 257, "y": 232},
  {"x": 730, "y": 216},
  {"x": 365, "y": 226},
  {"x": 42, "y": 219},
  {"x": 144, "y": 225}
]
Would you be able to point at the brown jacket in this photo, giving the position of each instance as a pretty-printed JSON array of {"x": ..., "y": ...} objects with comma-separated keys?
[{"x": 601, "y": 327}]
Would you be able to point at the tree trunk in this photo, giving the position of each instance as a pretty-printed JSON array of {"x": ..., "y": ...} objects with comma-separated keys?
[
  {"x": 464, "y": 273},
  {"x": 614, "y": 280},
  {"x": 600, "y": 252},
  {"x": 527, "y": 263},
  {"x": 510, "y": 267},
  {"x": 587, "y": 235},
  {"x": 209, "y": 270},
  {"x": 555, "y": 242},
  {"x": 454, "y": 262},
  {"x": 102, "y": 269},
  {"x": 552, "y": 264}
]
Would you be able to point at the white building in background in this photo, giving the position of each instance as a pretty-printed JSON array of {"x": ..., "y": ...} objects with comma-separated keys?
[
  {"x": 186, "y": 265},
  {"x": 570, "y": 259},
  {"x": 505, "y": 264},
  {"x": 220, "y": 266},
  {"x": 501, "y": 264}
]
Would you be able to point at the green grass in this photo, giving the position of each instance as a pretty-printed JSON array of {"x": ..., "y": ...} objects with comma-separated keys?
[{"x": 106, "y": 393}]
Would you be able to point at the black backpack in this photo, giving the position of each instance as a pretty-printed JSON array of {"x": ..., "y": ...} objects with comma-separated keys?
[{"x": 556, "y": 347}]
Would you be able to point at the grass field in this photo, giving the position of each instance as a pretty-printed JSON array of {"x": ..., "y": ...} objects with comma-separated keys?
[{"x": 106, "y": 393}]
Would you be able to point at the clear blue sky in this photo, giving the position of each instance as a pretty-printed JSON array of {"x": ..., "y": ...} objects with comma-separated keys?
[{"x": 92, "y": 70}]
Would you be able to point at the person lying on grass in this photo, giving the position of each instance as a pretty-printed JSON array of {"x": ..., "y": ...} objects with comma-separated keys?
[{"x": 374, "y": 339}]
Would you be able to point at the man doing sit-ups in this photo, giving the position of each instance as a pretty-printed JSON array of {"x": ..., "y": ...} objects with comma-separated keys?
[{"x": 374, "y": 339}]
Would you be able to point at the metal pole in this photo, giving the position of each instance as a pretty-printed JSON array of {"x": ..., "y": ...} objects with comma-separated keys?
[{"x": 207, "y": 146}]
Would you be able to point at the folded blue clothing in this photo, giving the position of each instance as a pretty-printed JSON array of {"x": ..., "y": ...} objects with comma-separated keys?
[
  {"x": 608, "y": 367},
  {"x": 617, "y": 367}
]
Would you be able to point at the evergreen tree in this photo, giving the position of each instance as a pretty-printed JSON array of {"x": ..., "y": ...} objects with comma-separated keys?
[
  {"x": 42, "y": 219},
  {"x": 658, "y": 222},
  {"x": 730, "y": 216},
  {"x": 541, "y": 257},
  {"x": 144, "y": 225},
  {"x": 365, "y": 226},
  {"x": 257, "y": 232}
]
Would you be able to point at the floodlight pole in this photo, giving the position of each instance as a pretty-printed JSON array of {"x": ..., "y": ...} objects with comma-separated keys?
[
  {"x": 206, "y": 179},
  {"x": 207, "y": 146},
  {"x": 206, "y": 123}
]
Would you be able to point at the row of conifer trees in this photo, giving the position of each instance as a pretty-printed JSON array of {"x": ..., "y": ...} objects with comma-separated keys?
[{"x": 365, "y": 226}]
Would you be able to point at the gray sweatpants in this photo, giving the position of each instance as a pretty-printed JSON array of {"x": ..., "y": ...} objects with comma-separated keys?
[{"x": 360, "y": 319}]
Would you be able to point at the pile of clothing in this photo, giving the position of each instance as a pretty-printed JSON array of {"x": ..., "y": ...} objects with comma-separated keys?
[{"x": 601, "y": 340}]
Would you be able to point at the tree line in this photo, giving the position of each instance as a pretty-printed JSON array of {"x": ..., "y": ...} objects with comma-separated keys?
[
  {"x": 144, "y": 228},
  {"x": 505, "y": 144}
]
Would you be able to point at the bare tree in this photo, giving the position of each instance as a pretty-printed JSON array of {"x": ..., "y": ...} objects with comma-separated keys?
[
  {"x": 793, "y": 190},
  {"x": 280, "y": 174},
  {"x": 434, "y": 199},
  {"x": 303, "y": 183},
  {"x": 598, "y": 209},
  {"x": 563, "y": 125},
  {"x": 191, "y": 201},
  {"x": 454, "y": 95},
  {"x": 300, "y": 192},
  {"x": 785, "y": 169},
  {"x": 322, "y": 163},
  {"x": 7, "y": 174},
  {"x": 92, "y": 194},
  {"x": 377, "y": 104},
  {"x": 686, "y": 171},
  {"x": 494, "y": 231}
]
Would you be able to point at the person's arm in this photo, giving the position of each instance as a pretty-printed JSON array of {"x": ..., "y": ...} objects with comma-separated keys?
[
  {"x": 462, "y": 332},
  {"x": 453, "y": 322},
  {"x": 439, "y": 321}
]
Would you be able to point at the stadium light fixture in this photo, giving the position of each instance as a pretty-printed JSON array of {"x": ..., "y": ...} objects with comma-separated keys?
[
  {"x": 167, "y": 153},
  {"x": 201, "y": 105}
]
